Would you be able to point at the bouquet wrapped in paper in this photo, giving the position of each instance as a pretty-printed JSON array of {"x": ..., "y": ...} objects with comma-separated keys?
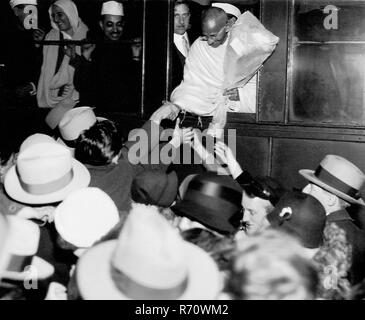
[{"x": 249, "y": 45}]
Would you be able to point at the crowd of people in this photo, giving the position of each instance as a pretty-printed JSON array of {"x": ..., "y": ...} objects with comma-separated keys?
[{"x": 83, "y": 215}]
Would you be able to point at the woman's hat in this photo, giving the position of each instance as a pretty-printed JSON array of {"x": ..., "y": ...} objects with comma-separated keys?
[
  {"x": 45, "y": 172},
  {"x": 85, "y": 216},
  {"x": 301, "y": 215},
  {"x": 148, "y": 261},
  {"x": 214, "y": 201},
  {"x": 155, "y": 187},
  {"x": 339, "y": 176},
  {"x": 22, "y": 245}
]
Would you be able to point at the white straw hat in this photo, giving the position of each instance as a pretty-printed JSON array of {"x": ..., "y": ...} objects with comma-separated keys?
[
  {"x": 73, "y": 123},
  {"x": 113, "y": 8},
  {"x": 228, "y": 8},
  {"x": 23, "y": 244},
  {"x": 14, "y": 3},
  {"x": 45, "y": 172},
  {"x": 85, "y": 216},
  {"x": 148, "y": 261},
  {"x": 338, "y": 176}
]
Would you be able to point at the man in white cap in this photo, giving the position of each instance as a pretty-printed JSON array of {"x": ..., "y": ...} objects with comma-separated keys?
[
  {"x": 22, "y": 58},
  {"x": 336, "y": 183},
  {"x": 232, "y": 11},
  {"x": 106, "y": 75}
]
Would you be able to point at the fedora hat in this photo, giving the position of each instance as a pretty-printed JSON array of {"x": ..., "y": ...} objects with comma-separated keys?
[
  {"x": 214, "y": 201},
  {"x": 148, "y": 261},
  {"x": 184, "y": 185},
  {"x": 301, "y": 215},
  {"x": 45, "y": 172},
  {"x": 85, "y": 216},
  {"x": 73, "y": 123},
  {"x": 23, "y": 243},
  {"x": 155, "y": 187},
  {"x": 338, "y": 176}
]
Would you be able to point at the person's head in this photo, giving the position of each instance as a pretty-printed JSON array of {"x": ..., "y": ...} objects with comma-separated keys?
[
  {"x": 83, "y": 218},
  {"x": 215, "y": 26},
  {"x": 60, "y": 19},
  {"x": 149, "y": 260},
  {"x": 232, "y": 11},
  {"x": 302, "y": 216},
  {"x": 112, "y": 20},
  {"x": 336, "y": 183},
  {"x": 155, "y": 187},
  {"x": 181, "y": 17},
  {"x": 259, "y": 197},
  {"x": 64, "y": 16},
  {"x": 271, "y": 266},
  {"x": 21, "y": 9},
  {"x": 213, "y": 201},
  {"x": 99, "y": 145}
]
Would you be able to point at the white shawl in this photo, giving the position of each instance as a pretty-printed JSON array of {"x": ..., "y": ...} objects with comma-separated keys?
[{"x": 50, "y": 83}]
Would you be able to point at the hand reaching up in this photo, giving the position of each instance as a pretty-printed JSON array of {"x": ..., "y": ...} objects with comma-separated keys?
[{"x": 227, "y": 157}]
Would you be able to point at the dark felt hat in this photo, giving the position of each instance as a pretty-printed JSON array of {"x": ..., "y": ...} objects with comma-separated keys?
[
  {"x": 301, "y": 215},
  {"x": 214, "y": 201},
  {"x": 155, "y": 187}
]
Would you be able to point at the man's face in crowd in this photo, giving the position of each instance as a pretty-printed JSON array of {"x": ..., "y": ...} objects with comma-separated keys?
[
  {"x": 317, "y": 192},
  {"x": 181, "y": 18},
  {"x": 60, "y": 19},
  {"x": 256, "y": 210},
  {"x": 215, "y": 31},
  {"x": 112, "y": 26},
  {"x": 19, "y": 12}
]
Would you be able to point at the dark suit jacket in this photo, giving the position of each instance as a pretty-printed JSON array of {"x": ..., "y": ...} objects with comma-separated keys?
[
  {"x": 177, "y": 69},
  {"x": 356, "y": 238}
]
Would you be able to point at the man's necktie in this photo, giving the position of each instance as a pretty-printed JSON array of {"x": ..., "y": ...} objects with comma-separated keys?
[{"x": 186, "y": 46}]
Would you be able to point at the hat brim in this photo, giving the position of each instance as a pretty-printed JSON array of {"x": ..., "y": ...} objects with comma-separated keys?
[
  {"x": 309, "y": 175},
  {"x": 192, "y": 210},
  {"x": 184, "y": 185},
  {"x": 81, "y": 179},
  {"x": 95, "y": 282},
  {"x": 41, "y": 269}
]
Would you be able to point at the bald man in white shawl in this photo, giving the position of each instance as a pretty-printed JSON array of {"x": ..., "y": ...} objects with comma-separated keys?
[{"x": 212, "y": 84}]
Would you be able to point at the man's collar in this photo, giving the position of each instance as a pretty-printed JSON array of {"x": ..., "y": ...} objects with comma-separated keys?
[
  {"x": 338, "y": 216},
  {"x": 180, "y": 36}
]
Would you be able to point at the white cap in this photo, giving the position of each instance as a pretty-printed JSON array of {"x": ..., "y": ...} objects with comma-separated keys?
[
  {"x": 228, "y": 8},
  {"x": 85, "y": 216},
  {"x": 113, "y": 8},
  {"x": 14, "y": 3}
]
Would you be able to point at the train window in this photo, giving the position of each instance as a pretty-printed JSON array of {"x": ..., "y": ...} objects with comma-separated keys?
[
  {"x": 194, "y": 33},
  {"x": 105, "y": 50},
  {"x": 326, "y": 62}
]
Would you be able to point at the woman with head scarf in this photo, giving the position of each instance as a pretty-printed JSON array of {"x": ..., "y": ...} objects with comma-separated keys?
[{"x": 55, "y": 87}]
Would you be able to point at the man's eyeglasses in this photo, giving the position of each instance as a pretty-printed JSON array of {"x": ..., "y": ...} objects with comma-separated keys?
[{"x": 213, "y": 37}]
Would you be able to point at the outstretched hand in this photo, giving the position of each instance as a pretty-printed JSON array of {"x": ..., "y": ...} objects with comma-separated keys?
[
  {"x": 181, "y": 135},
  {"x": 227, "y": 157}
]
